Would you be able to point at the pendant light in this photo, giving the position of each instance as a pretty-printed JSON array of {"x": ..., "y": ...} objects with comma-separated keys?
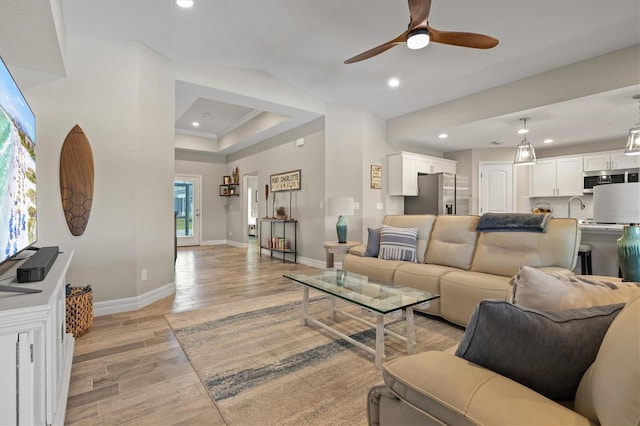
[
  {"x": 633, "y": 145},
  {"x": 525, "y": 154}
]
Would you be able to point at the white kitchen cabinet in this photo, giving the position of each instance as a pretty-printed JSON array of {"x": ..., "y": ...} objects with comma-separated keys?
[
  {"x": 35, "y": 350},
  {"x": 403, "y": 174},
  {"x": 559, "y": 177},
  {"x": 615, "y": 160},
  {"x": 404, "y": 169},
  {"x": 620, "y": 160}
]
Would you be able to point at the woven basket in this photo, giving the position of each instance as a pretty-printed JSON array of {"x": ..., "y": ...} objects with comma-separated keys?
[{"x": 79, "y": 311}]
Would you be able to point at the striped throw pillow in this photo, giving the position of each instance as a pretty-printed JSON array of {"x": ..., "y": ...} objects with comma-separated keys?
[{"x": 398, "y": 243}]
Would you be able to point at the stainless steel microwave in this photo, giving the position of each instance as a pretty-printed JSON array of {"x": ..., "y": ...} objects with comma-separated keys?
[{"x": 602, "y": 178}]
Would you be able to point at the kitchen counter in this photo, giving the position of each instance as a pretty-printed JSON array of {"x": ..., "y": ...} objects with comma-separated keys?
[
  {"x": 601, "y": 228},
  {"x": 603, "y": 241}
]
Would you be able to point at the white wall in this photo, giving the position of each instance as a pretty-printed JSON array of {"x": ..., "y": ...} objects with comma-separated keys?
[{"x": 121, "y": 94}]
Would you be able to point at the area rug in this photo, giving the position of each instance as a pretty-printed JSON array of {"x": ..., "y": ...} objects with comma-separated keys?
[{"x": 261, "y": 366}]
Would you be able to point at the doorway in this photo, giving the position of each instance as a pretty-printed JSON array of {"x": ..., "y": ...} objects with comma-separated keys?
[
  {"x": 496, "y": 187},
  {"x": 251, "y": 206},
  {"x": 186, "y": 205}
]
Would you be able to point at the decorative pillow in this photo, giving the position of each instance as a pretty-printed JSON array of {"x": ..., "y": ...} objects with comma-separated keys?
[
  {"x": 546, "y": 291},
  {"x": 373, "y": 243},
  {"x": 398, "y": 243},
  {"x": 545, "y": 351}
]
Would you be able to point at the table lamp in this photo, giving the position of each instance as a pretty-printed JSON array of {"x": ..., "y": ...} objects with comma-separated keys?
[
  {"x": 340, "y": 206},
  {"x": 620, "y": 203}
]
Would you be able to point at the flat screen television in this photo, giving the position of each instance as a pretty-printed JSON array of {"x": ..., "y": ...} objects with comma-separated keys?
[{"x": 18, "y": 229}]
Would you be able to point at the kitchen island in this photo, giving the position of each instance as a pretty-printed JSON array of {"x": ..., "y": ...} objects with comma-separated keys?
[{"x": 604, "y": 251}]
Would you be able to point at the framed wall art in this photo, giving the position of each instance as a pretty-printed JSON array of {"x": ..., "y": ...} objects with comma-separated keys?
[
  {"x": 288, "y": 181},
  {"x": 376, "y": 177}
]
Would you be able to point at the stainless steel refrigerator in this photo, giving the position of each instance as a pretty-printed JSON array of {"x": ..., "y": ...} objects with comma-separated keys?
[{"x": 439, "y": 193}]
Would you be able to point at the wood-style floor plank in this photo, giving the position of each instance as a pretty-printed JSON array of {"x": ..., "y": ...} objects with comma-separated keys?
[{"x": 130, "y": 369}]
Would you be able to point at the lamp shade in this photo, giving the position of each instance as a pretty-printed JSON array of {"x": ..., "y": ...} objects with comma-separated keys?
[
  {"x": 620, "y": 203},
  {"x": 340, "y": 206},
  {"x": 617, "y": 203}
]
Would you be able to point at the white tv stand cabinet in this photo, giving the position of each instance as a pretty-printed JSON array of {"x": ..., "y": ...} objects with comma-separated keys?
[{"x": 36, "y": 352}]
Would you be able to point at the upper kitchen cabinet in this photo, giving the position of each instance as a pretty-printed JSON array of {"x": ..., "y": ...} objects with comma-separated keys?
[
  {"x": 610, "y": 161},
  {"x": 404, "y": 168},
  {"x": 403, "y": 174},
  {"x": 558, "y": 177}
]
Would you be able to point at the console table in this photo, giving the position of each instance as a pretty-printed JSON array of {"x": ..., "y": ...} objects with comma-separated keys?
[
  {"x": 36, "y": 352},
  {"x": 277, "y": 237}
]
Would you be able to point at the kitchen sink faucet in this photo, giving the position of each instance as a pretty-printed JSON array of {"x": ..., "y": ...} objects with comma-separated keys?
[{"x": 569, "y": 205}]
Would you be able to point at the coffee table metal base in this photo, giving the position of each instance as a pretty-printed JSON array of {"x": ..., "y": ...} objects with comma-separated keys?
[{"x": 379, "y": 351}]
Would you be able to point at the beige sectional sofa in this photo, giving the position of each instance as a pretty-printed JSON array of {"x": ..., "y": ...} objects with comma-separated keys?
[
  {"x": 465, "y": 266},
  {"x": 436, "y": 388}
]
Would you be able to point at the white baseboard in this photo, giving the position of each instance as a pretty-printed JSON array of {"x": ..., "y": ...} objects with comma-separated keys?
[
  {"x": 213, "y": 242},
  {"x": 133, "y": 303}
]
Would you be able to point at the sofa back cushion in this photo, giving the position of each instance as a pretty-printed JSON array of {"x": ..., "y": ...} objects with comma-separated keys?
[
  {"x": 424, "y": 223},
  {"x": 503, "y": 253},
  {"x": 610, "y": 388},
  {"x": 453, "y": 241}
]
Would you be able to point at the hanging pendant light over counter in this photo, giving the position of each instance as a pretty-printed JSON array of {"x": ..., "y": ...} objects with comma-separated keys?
[
  {"x": 525, "y": 154},
  {"x": 633, "y": 145}
]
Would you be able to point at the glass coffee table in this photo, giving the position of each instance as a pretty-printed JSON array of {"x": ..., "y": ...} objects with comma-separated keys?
[{"x": 374, "y": 297}]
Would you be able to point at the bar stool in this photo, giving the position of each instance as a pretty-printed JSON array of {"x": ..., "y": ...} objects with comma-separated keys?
[{"x": 584, "y": 253}]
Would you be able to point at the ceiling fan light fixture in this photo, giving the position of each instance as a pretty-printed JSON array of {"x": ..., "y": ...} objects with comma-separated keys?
[
  {"x": 633, "y": 144},
  {"x": 418, "y": 39}
]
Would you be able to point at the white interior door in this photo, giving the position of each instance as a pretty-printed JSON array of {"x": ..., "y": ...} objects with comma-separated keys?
[
  {"x": 496, "y": 187},
  {"x": 186, "y": 205}
]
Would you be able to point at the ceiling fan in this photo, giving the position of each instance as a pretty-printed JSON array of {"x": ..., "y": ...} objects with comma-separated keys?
[{"x": 419, "y": 33}]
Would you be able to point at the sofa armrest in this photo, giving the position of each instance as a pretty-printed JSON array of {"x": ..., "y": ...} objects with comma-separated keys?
[
  {"x": 556, "y": 270},
  {"x": 456, "y": 391},
  {"x": 358, "y": 250}
]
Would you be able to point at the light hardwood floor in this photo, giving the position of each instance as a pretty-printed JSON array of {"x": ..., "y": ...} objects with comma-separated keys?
[{"x": 130, "y": 369}]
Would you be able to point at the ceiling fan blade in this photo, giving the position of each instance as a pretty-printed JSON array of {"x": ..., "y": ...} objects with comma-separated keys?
[
  {"x": 419, "y": 12},
  {"x": 455, "y": 38},
  {"x": 402, "y": 38}
]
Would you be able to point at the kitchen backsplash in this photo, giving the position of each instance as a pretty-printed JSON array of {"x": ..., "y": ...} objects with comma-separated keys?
[{"x": 559, "y": 206}]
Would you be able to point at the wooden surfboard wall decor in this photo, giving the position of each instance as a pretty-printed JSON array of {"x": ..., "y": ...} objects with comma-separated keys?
[{"x": 76, "y": 180}]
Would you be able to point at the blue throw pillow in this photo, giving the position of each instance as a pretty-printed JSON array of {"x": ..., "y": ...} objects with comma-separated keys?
[
  {"x": 548, "y": 352},
  {"x": 373, "y": 243}
]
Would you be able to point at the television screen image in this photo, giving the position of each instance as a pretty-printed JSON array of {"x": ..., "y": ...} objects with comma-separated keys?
[{"x": 17, "y": 169}]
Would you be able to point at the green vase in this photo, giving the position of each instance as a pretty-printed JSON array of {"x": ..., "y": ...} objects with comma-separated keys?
[
  {"x": 341, "y": 227},
  {"x": 629, "y": 253}
]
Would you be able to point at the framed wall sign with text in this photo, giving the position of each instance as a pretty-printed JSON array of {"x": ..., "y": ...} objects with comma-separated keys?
[
  {"x": 288, "y": 181},
  {"x": 376, "y": 177}
]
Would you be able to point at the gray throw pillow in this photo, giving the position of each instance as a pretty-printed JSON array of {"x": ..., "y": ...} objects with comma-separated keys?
[
  {"x": 373, "y": 243},
  {"x": 545, "y": 351}
]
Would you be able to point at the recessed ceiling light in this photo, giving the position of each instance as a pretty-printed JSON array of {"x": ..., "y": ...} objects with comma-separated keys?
[
  {"x": 393, "y": 82},
  {"x": 547, "y": 141},
  {"x": 207, "y": 115},
  {"x": 496, "y": 143},
  {"x": 443, "y": 135},
  {"x": 195, "y": 124},
  {"x": 184, "y": 3},
  {"x": 523, "y": 131}
]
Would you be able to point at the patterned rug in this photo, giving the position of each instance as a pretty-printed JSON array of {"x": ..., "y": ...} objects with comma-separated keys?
[{"x": 261, "y": 366}]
